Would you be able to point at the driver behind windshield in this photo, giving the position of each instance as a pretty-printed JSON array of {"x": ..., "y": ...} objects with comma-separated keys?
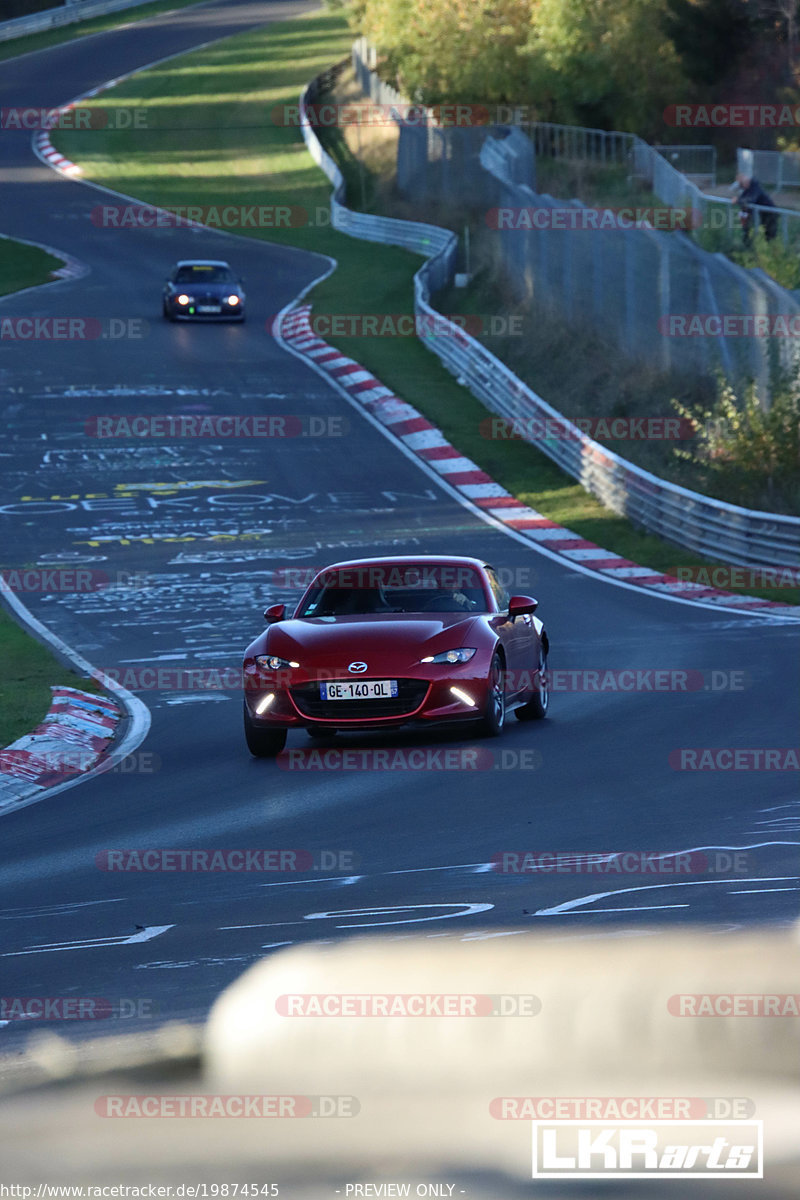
[{"x": 411, "y": 596}]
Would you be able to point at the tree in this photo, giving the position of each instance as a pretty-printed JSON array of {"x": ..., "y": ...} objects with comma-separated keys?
[
  {"x": 609, "y": 62},
  {"x": 450, "y": 50},
  {"x": 709, "y": 36}
]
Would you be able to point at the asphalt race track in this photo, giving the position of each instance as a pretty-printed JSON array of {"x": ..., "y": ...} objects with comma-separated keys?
[{"x": 201, "y": 530}]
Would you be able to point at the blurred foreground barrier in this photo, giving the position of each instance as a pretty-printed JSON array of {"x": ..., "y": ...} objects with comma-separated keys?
[{"x": 419, "y": 1096}]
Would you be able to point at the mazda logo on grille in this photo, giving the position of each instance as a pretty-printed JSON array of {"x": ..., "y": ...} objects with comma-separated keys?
[{"x": 357, "y": 668}]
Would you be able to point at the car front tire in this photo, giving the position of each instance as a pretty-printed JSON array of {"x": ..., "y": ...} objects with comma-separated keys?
[
  {"x": 537, "y": 706},
  {"x": 262, "y": 743},
  {"x": 494, "y": 717}
]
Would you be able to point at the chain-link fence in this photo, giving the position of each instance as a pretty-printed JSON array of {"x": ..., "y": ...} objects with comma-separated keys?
[
  {"x": 655, "y": 293},
  {"x": 774, "y": 168},
  {"x": 636, "y": 279},
  {"x": 697, "y": 163}
]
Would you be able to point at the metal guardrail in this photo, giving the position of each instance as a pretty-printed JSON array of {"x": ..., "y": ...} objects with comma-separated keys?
[
  {"x": 431, "y": 240},
  {"x": 69, "y": 14},
  {"x": 713, "y": 528}
]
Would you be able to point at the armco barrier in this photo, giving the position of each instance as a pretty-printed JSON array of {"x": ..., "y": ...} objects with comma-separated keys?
[
  {"x": 68, "y": 14},
  {"x": 437, "y": 244},
  {"x": 713, "y": 528}
]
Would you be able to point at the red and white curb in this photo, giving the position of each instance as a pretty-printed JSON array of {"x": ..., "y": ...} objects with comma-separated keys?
[
  {"x": 429, "y": 444},
  {"x": 71, "y": 739},
  {"x": 45, "y": 148}
]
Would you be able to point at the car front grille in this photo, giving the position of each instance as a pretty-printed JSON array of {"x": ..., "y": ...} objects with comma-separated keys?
[{"x": 410, "y": 694}]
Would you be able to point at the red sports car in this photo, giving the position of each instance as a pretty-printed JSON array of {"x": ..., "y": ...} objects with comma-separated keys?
[{"x": 385, "y": 642}]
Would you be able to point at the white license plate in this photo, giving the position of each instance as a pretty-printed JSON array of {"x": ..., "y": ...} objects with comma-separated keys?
[
  {"x": 209, "y": 308},
  {"x": 354, "y": 689}
]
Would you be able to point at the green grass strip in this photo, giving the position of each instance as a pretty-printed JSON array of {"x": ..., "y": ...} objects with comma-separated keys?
[
  {"x": 24, "y": 266},
  {"x": 30, "y": 669}
]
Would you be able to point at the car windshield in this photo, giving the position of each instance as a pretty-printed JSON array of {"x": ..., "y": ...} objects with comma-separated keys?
[
  {"x": 369, "y": 589},
  {"x": 200, "y": 274}
]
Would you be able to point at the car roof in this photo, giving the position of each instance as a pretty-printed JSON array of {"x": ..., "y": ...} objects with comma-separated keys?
[
  {"x": 400, "y": 559},
  {"x": 202, "y": 262}
]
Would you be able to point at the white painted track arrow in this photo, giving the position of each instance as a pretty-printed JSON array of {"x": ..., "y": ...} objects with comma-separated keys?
[{"x": 142, "y": 935}]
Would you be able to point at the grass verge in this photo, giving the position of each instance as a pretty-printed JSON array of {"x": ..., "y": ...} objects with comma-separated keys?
[
  {"x": 30, "y": 669},
  {"x": 24, "y": 266},
  {"x": 212, "y": 138}
]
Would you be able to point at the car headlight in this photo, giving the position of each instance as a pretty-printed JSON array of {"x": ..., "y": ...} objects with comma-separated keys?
[
  {"x": 273, "y": 663},
  {"x": 451, "y": 656},
  {"x": 233, "y": 301},
  {"x": 184, "y": 299}
]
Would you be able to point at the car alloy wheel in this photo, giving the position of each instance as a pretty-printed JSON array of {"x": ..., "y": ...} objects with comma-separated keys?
[
  {"x": 495, "y": 716},
  {"x": 537, "y": 706}
]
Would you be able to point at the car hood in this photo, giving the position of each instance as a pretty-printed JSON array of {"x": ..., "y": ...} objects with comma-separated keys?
[{"x": 397, "y": 638}]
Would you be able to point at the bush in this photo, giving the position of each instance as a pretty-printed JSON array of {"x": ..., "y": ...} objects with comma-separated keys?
[{"x": 747, "y": 449}]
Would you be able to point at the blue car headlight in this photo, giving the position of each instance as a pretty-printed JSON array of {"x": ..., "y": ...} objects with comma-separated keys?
[{"x": 451, "y": 656}]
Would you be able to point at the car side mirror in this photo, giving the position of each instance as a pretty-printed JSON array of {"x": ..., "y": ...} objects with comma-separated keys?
[
  {"x": 276, "y": 612},
  {"x": 519, "y": 605}
]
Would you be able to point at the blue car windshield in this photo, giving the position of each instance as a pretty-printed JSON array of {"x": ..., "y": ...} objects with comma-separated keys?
[{"x": 203, "y": 275}]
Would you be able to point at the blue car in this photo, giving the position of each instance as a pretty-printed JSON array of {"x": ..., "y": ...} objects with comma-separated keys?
[{"x": 203, "y": 290}]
